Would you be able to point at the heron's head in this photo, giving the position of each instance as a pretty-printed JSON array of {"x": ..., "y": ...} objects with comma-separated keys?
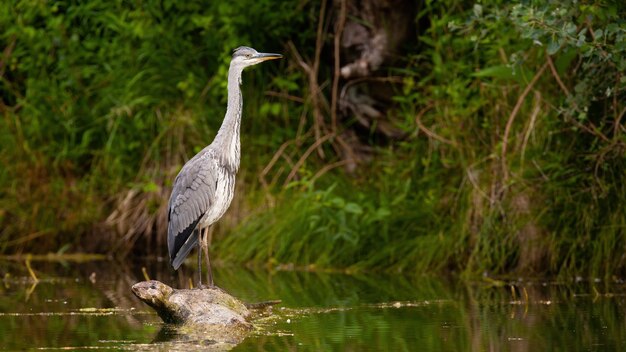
[{"x": 245, "y": 56}]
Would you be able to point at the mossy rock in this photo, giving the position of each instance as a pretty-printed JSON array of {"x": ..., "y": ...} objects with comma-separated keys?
[{"x": 220, "y": 316}]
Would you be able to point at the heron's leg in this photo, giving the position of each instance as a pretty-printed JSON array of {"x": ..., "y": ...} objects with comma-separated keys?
[
  {"x": 199, "y": 232},
  {"x": 205, "y": 246}
]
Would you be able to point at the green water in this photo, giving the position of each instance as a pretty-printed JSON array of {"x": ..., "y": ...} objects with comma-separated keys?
[{"x": 90, "y": 306}]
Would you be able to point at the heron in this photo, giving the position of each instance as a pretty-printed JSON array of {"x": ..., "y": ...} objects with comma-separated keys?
[{"x": 204, "y": 187}]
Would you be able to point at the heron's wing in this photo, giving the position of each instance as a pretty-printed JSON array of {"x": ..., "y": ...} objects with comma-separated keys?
[{"x": 192, "y": 196}]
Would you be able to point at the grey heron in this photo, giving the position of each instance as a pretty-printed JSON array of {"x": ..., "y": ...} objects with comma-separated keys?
[{"x": 204, "y": 187}]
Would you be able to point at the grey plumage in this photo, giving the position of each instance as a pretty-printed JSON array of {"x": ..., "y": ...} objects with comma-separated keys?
[
  {"x": 193, "y": 194},
  {"x": 205, "y": 185}
]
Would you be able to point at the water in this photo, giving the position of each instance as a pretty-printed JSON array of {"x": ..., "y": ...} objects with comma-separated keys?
[{"x": 90, "y": 306}]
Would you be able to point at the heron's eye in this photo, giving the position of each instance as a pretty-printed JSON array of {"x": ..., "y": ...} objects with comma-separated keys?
[{"x": 248, "y": 56}]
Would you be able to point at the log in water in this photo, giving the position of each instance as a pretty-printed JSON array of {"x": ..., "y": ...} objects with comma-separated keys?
[
  {"x": 202, "y": 306},
  {"x": 210, "y": 310}
]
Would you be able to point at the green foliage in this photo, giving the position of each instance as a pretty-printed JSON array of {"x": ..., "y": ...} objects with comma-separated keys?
[
  {"x": 513, "y": 160},
  {"x": 102, "y": 95},
  {"x": 592, "y": 32},
  {"x": 517, "y": 163}
]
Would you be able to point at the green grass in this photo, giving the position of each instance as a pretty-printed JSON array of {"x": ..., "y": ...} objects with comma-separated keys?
[
  {"x": 505, "y": 173},
  {"x": 512, "y": 161}
]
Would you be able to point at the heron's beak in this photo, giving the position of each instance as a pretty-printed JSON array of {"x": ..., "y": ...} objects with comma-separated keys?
[{"x": 266, "y": 56}]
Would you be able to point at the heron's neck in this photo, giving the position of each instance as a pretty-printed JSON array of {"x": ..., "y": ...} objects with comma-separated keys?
[{"x": 227, "y": 140}]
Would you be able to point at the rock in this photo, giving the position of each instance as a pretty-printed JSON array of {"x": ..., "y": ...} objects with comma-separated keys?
[{"x": 220, "y": 316}]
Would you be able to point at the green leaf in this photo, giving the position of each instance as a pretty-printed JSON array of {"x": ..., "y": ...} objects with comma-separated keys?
[
  {"x": 598, "y": 34},
  {"x": 150, "y": 187},
  {"x": 353, "y": 208},
  {"x": 501, "y": 71},
  {"x": 564, "y": 60},
  {"x": 478, "y": 10},
  {"x": 504, "y": 72},
  {"x": 553, "y": 47}
]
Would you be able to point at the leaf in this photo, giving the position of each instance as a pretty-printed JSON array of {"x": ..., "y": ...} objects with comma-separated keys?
[
  {"x": 504, "y": 72},
  {"x": 500, "y": 71},
  {"x": 478, "y": 10},
  {"x": 598, "y": 34},
  {"x": 150, "y": 187},
  {"x": 564, "y": 60},
  {"x": 353, "y": 208},
  {"x": 553, "y": 47},
  {"x": 337, "y": 202}
]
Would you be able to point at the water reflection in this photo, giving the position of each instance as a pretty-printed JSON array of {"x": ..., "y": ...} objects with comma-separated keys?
[
  {"x": 173, "y": 338},
  {"x": 90, "y": 305}
]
